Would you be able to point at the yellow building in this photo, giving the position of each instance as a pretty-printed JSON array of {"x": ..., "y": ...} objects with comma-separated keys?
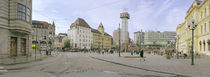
[
  {"x": 200, "y": 11},
  {"x": 101, "y": 39}
]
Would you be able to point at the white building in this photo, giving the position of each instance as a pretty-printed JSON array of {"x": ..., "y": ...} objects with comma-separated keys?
[{"x": 80, "y": 34}]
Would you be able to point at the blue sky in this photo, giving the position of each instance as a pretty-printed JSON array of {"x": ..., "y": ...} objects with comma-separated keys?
[{"x": 162, "y": 15}]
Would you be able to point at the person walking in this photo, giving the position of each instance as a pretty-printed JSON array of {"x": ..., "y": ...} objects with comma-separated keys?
[{"x": 142, "y": 55}]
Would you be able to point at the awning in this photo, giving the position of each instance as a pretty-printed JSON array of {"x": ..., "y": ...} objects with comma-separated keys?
[
  {"x": 43, "y": 42},
  {"x": 35, "y": 42}
]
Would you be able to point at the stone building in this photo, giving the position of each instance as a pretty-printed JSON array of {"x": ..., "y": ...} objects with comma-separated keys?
[
  {"x": 200, "y": 11},
  {"x": 59, "y": 40},
  {"x": 15, "y": 28},
  {"x": 43, "y": 34},
  {"x": 80, "y": 34},
  {"x": 101, "y": 39}
]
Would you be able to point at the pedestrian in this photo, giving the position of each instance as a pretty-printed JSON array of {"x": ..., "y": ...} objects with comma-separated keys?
[
  {"x": 185, "y": 55},
  {"x": 103, "y": 52},
  {"x": 142, "y": 55}
]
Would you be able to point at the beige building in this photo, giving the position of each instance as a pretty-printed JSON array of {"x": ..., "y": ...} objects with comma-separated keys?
[
  {"x": 15, "y": 28},
  {"x": 116, "y": 37},
  {"x": 101, "y": 39},
  {"x": 59, "y": 41},
  {"x": 43, "y": 34},
  {"x": 200, "y": 11}
]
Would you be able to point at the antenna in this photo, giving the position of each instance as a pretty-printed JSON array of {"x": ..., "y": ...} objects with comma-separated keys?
[{"x": 125, "y": 9}]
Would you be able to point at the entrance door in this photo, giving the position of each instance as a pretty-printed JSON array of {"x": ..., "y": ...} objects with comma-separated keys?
[
  {"x": 23, "y": 47},
  {"x": 13, "y": 46}
]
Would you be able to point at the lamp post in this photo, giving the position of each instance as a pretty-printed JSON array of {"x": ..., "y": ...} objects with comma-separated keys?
[
  {"x": 177, "y": 51},
  {"x": 50, "y": 42},
  {"x": 98, "y": 46},
  {"x": 192, "y": 25},
  {"x": 119, "y": 40}
]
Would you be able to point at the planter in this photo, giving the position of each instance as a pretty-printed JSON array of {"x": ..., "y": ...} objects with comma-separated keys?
[{"x": 168, "y": 57}]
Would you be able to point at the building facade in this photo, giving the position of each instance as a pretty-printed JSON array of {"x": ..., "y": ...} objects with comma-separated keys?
[
  {"x": 116, "y": 37},
  {"x": 15, "y": 28},
  {"x": 80, "y": 34},
  {"x": 43, "y": 34},
  {"x": 200, "y": 11},
  {"x": 59, "y": 41},
  {"x": 157, "y": 38},
  {"x": 101, "y": 39},
  {"x": 139, "y": 38}
]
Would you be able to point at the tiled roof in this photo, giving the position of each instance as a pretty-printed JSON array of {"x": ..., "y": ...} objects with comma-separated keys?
[
  {"x": 35, "y": 22},
  {"x": 95, "y": 31},
  {"x": 80, "y": 22},
  {"x": 107, "y": 34}
]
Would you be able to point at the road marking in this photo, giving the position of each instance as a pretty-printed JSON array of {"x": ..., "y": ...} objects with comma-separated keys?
[{"x": 169, "y": 73}]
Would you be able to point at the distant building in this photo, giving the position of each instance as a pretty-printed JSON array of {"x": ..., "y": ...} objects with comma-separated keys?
[
  {"x": 101, "y": 39},
  {"x": 116, "y": 37},
  {"x": 157, "y": 38},
  {"x": 139, "y": 38},
  {"x": 59, "y": 40},
  {"x": 43, "y": 34},
  {"x": 15, "y": 28},
  {"x": 80, "y": 34}
]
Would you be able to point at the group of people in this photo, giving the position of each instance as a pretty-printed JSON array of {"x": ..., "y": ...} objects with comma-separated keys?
[{"x": 141, "y": 54}]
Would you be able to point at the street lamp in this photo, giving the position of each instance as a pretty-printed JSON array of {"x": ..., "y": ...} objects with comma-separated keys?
[
  {"x": 98, "y": 46},
  {"x": 177, "y": 51},
  {"x": 119, "y": 40},
  {"x": 192, "y": 25},
  {"x": 50, "y": 42}
]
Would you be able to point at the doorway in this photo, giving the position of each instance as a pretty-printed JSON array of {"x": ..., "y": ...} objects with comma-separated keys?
[
  {"x": 13, "y": 46},
  {"x": 23, "y": 46}
]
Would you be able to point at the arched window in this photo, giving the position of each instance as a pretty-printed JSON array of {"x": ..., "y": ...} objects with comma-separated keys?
[
  {"x": 200, "y": 46},
  {"x": 208, "y": 44}
]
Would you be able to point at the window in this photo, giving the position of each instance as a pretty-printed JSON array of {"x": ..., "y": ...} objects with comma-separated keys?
[
  {"x": 21, "y": 11},
  {"x": 28, "y": 17},
  {"x": 205, "y": 12},
  {"x": 201, "y": 29},
  {"x": 24, "y": 13},
  {"x": 205, "y": 27}
]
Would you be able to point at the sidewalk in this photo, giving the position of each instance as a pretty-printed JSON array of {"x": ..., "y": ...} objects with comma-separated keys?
[
  {"x": 161, "y": 64},
  {"x": 22, "y": 59}
]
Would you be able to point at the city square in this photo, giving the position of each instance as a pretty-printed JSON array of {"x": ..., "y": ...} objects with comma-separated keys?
[{"x": 97, "y": 38}]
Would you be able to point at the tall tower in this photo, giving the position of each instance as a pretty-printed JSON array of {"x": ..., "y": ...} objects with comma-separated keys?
[{"x": 124, "y": 31}]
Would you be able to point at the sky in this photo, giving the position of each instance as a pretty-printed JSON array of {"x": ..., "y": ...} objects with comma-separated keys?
[{"x": 158, "y": 15}]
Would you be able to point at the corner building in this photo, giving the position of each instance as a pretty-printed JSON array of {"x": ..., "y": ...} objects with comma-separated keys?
[
  {"x": 101, "y": 39},
  {"x": 15, "y": 28},
  {"x": 200, "y": 11}
]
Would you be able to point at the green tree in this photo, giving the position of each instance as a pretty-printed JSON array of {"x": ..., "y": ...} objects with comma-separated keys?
[{"x": 67, "y": 44}]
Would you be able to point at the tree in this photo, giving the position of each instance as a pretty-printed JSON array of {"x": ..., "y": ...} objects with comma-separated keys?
[{"x": 67, "y": 44}]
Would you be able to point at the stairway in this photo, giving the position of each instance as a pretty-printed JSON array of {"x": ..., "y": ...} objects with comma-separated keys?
[{"x": 2, "y": 70}]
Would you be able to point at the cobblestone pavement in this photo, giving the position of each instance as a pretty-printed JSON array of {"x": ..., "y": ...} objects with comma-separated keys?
[{"x": 68, "y": 64}]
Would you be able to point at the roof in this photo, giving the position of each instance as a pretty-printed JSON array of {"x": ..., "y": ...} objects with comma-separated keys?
[
  {"x": 80, "y": 22},
  {"x": 101, "y": 25},
  {"x": 35, "y": 22},
  {"x": 107, "y": 34},
  {"x": 62, "y": 34},
  {"x": 95, "y": 31}
]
